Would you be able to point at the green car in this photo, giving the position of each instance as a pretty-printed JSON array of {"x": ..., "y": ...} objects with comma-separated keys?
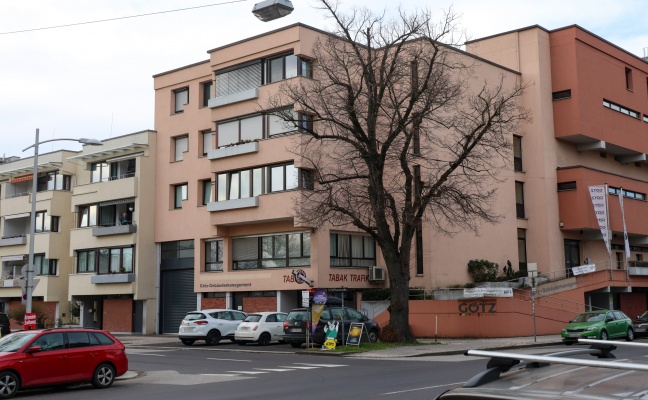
[{"x": 602, "y": 325}]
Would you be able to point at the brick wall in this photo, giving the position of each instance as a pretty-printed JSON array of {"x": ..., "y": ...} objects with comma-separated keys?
[
  {"x": 257, "y": 304},
  {"x": 632, "y": 304},
  {"x": 211, "y": 302},
  {"x": 118, "y": 315},
  {"x": 47, "y": 308}
]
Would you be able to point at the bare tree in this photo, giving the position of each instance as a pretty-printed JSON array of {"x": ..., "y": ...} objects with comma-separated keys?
[{"x": 404, "y": 133}]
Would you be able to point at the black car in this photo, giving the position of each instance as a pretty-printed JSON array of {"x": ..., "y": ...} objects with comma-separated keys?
[
  {"x": 641, "y": 325},
  {"x": 298, "y": 321},
  {"x": 4, "y": 324}
]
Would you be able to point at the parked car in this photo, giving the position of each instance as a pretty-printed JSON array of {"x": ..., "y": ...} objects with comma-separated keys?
[
  {"x": 47, "y": 357},
  {"x": 5, "y": 324},
  {"x": 640, "y": 325},
  {"x": 261, "y": 327},
  {"x": 210, "y": 326},
  {"x": 298, "y": 322},
  {"x": 601, "y": 324}
]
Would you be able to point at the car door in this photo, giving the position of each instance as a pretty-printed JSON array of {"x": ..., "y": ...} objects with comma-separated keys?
[
  {"x": 277, "y": 331},
  {"x": 48, "y": 366},
  {"x": 611, "y": 324},
  {"x": 84, "y": 354},
  {"x": 622, "y": 322},
  {"x": 237, "y": 318}
]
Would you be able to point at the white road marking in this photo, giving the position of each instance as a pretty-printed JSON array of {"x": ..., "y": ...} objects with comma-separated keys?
[
  {"x": 228, "y": 359},
  {"x": 149, "y": 354},
  {"x": 218, "y": 375},
  {"x": 248, "y": 372},
  {"x": 422, "y": 388},
  {"x": 273, "y": 369},
  {"x": 301, "y": 367},
  {"x": 323, "y": 365}
]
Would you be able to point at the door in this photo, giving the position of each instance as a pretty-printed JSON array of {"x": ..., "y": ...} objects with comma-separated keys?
[
  {"x": 178, "y": 298},
  {"x": 572, "y": 256},
  {"x": 48, "y": 366}
]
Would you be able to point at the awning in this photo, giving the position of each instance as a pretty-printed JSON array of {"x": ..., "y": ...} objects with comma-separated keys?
[
  {"x": 44, "y": 167},
  {"x": 12, "y": 258},
  {"x": 126, "y": 157},
  {"x": 120, "y": 201},
  {"x": 22, "y": 178},
  {"x": 107, "y": 153},
  {"x": 16, "y": 216}
]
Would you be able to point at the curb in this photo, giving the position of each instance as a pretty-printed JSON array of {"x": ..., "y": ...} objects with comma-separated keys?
[{"x": 455, "y": 352}]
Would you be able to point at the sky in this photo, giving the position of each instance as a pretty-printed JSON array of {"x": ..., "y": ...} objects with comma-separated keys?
[{"x": 95, "y": 80}]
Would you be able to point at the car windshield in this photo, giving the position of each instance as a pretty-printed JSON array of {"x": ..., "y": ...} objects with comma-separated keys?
[
  {"x": 644, "y": 315},
  {"x": 13, "y": 343},
  {"x": 589, "y": 317},
  {"x": 297, "y": 316},
  {"x": 194, "y": 316},
  {"x": 252, "y": 318}
]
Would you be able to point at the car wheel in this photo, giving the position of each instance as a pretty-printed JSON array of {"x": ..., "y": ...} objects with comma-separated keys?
[
  {"x": 104, "y": 376},
  {"x": 187, "y": 342},
  {"x": 604, "y": 335},
  {"x": 373, "y": 336},
  {"x": 213, "y": 337},
  {"x": 8, "y": 385},
  {"x": 264, "y": 339},
  {"x": 630, "y": 335},
  {"x": 295, "y": 344},
  {"x": 568, "y": 343}
]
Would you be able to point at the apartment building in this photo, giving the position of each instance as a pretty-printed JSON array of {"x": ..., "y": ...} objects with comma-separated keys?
[
  {"x": 94, "y": 233},
  {"x": 228, "y": 179}
]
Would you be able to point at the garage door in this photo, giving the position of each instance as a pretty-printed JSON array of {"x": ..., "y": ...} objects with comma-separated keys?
[{"x": 178, "y": 297}]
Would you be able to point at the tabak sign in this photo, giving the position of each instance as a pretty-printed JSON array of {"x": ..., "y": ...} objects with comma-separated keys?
[{"x": 299, "y": 276}]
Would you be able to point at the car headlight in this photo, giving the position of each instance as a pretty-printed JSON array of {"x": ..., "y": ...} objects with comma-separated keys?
[
  {"x": 592, "y": 328},
  {"x": 564, "y": 330}
]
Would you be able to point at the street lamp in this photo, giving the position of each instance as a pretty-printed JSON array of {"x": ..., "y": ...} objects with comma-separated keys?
[
  {"x": 272, "y": 9},
  {"x": 32, "y": 228}
]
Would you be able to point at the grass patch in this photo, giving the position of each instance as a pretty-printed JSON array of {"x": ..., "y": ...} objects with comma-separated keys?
[{"x": 368, "y": 347}]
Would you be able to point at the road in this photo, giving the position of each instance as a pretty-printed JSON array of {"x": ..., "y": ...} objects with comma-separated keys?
[{"x": 232, "y": 372}]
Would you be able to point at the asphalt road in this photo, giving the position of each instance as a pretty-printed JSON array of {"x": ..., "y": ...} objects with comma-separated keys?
[{"x": 207, "y": 373}]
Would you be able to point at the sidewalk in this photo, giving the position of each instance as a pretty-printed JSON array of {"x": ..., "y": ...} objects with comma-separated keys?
[{"x": 428, "y": 347}]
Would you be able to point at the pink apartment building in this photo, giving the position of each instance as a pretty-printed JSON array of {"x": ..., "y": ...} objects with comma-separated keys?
[{"x": 226, "y": 181}]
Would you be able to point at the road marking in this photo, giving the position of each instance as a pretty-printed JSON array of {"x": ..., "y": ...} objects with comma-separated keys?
[
  {"x": 323, "y": 365},
  {"x": 218, "y": 375},
  {"x": 301, "y": 367},
  {"x": 148, "y": 354},
  {"x": 273, "y": 369},
  {"x": 248, "y": 372},
  {"x": 228, "y": 359},
  {"x": 422, "y": 388}
]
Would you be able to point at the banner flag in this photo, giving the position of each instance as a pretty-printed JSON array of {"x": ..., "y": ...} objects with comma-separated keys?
[
  {"x": 599, "y": 201},
  {"x": 625, "y": 231}
]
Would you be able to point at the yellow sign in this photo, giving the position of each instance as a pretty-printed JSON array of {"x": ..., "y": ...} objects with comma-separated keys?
[{"x": 329, "y": 344}]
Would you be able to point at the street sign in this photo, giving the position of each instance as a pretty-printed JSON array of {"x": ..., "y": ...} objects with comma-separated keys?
[
  {"x": 305, "y": 298},
  {"x": 30, "y": 321}
]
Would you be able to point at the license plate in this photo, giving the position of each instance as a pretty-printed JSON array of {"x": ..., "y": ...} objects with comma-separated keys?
[
  {"x": 186, "y": 329},
  {"x": 244, "y": 328},
  {"x": 294, "y": 330},
  {"x": 574, "y": 335}
]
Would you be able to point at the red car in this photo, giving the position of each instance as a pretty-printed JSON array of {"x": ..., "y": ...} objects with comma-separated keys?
[{"x": 59, "y": 356}]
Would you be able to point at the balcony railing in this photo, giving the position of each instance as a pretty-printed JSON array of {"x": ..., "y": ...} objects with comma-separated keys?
[{"x": 13, "y": 240}]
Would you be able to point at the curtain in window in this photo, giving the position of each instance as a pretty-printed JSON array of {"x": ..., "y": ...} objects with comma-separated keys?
[
  {"x": 356, "y": 246},
  {"x": 181, "y": 98},
  {"x": 104, "y": 261},
  {"x": 292, "y": 178},
  {"x": 207, "y": 142},
  {"x": 127, "y": 259},
  {"x": 181, "y": 147},
  {"x": 234, "y": 186},
  {"x": 252, "y": 128}
]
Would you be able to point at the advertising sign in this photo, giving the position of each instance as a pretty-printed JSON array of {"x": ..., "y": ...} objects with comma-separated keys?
[
  {"x": 355, "y": 333},
  {"x": 584, "y": 269},
  {"x": 598, "y": 194},
  {"x": 488, "y": 292},
  {"x": 305, "y": 298},
  {"x": 30, "y": 321}
]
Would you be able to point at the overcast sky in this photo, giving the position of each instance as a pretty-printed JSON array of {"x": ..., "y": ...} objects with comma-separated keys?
[{"x": 95, "y": 80}]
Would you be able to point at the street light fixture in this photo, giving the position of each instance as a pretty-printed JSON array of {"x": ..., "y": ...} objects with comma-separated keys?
[
  {"x": 272, "y": 9},
  {"x": 32, "y": 227}
]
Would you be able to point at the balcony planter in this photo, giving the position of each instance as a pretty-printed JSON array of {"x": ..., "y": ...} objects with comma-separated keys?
[
  {"x": 13, "y": 241},
  {"x": 230, "y": 151},
  {"x": 112, "y": 278},
  {"x": 113, "y": 230}
]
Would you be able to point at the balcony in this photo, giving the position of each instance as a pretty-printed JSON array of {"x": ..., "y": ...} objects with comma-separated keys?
[
  {"x": 112, "y": 278},
  {"x": 248, "y": 94},
  {"x": 82, "y": 284},
  {"x": 13, "y": 241},
  {"x": 231, "y": 151},
  {"x": 114, "y": 230},
  {"x": 636, "y": 267},
  {"x": 233, "y": 204}
]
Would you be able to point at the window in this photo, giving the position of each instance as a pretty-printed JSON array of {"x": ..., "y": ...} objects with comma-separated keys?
[
  {"x": 257, "y": 127},
  {"x": 560, "y": 95},
  {"x": 522, "y": 255},
  {"x": 104, "y": 171},
  {"x": 181, "y": 97},
  {"x": 206, "y": 88},
  {"x": 46, "y": 223},
  {"x": 628, "y": 78},
  {"x": 645, "y": 118},
  {"x": 287, "y": 66},
  {"x": 53, "y": 181},
  {"x": 105, "y": 260},
  {"x": 562, "y": 186},
  {"x": 253, "y": 182},
  {"x": 88, "y": 215},
  {"x": 207, "y": 140},
  {"x": 519, "y": 199},
  {"x": 180, "y": 146},
  {"x": 180, "y": 194},
  {"x": 214, "y": 255},
  {"x": 99, "y": 172},
  {"x": 621, "y": 109},
  {"x": 517, "y": 153},
  {"x": 181, "y": 249},
  {"x": 272, "y": 251},
  {"x": 626, "y": 193},
  {"x": 50, "y": 342},
  {"x": 44, "y": 266},
  {"x": 305, "y": 122},
  {"x": 239, "y": 79},
  {"x": 206, "y": 192},
  {"x": 351, "y": 250},
  {"x": 108, "y": 213}
]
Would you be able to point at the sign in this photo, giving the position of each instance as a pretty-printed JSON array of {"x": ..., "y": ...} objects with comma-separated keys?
[
  {"x": 556, "y": 287},
  {"x": 30, "y": 321},
  {"x": 320, "y": 296},
  {"x": 300, "y": 277},
  {"x": 474, "y": 308},
  {"x": 330, "y": 335},
  {"x": 488, "y": 292},
  {"x": 598, "y": 194},
  {"x": 355, "y": 333},
  {"x": 305, "y": 298},
  {"x": 584, "y": 269}
]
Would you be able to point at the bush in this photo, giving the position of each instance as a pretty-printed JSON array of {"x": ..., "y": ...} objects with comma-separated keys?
[
  {"x": 483, "y": 270},
  {"x": 376, "y": 294},
  {"x": 18, "y": 314},
  {"x": 389, "y": 334}
]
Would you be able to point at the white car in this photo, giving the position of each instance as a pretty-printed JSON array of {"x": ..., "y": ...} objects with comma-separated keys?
[
  {"x": 261, "y": 327},
  {"x": 210, "y": 326}
]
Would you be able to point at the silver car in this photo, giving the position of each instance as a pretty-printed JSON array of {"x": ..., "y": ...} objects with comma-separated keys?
[{"x": 210, "y": 326}]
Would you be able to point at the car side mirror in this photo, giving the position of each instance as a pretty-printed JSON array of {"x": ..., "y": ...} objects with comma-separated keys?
[
  {"x": 34, "y": 349},
  {"x": 609, "y": 319}
]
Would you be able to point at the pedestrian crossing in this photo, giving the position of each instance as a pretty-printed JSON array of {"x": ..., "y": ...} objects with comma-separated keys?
[{"x": 278, "y": 368}]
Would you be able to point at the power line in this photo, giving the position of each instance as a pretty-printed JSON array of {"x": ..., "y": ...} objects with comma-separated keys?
[{"x": 118, "y": 18}]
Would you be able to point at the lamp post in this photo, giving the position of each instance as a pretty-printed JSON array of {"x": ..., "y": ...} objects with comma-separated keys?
[
  {"x": 270, "y": 10},
  {"x": 32, "y": 227}
]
